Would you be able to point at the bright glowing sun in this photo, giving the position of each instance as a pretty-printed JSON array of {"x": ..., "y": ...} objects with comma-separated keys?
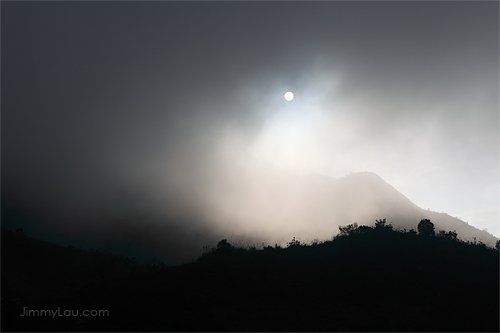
[{"x": 289, "y": 96}]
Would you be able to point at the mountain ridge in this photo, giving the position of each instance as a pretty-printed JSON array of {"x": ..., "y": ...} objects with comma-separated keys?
[
  {"x": 251, "y": 205},
  {"x": 367, "y": 279},
  {"x": 313, "y": 205},
  {"x": 442, "y": 221}
]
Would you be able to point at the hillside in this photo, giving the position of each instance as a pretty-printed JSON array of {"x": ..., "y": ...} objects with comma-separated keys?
[
  {"x": 33, "y": 269},
  {"x": 253, "y": 204},
  {"x": 366, "y": 279},
  {"x": 262, "y": 201}
]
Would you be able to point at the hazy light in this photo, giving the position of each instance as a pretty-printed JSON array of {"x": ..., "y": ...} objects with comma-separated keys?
[{"x": 288, "y": 96}]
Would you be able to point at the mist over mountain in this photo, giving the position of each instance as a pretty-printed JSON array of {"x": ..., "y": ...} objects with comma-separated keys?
[
  {"x": 250, "y": 203},
  {"x": 153, "y": 129},
  {"x": 313, "y": 206}
]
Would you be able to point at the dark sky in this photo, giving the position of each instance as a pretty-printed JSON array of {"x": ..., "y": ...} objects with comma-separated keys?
[{"x": 120, "y": 117}]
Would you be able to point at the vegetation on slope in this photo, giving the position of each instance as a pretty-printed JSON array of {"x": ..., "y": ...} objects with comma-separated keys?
[{"x": 365, "y": 279}]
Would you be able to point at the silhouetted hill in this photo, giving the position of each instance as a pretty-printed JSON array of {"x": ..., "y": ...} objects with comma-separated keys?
[
  {"x": 33, "y": 269},
  {"x": 252, "y": 203},
  {"x": 366, "y": 279}
]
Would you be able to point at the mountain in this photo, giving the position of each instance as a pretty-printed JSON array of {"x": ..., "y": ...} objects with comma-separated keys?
[
  {"x": 253, "y": 203},
  {"x": 33, "y": 269},
  {"x": 270, "y": 203},
  {"x": 370, "y": 190}
]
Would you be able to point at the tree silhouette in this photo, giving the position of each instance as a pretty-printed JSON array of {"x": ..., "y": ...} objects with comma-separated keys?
[
  {"x": 223, "y": 245},
  {"x": 426, "y": 228},
  {"x": 382, "y": 225},
  {"x": 348, "y": 229},
  {"x": 294, "y": 242},
  {"x": 363, "y": 229},
  {"x": 450, "y": 234}
]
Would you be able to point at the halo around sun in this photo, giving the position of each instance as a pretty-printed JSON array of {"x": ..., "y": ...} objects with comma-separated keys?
[{"x": 288, "y": 96}]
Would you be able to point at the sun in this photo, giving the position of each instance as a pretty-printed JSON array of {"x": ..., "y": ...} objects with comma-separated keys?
[{"x": 288, "y": 96}]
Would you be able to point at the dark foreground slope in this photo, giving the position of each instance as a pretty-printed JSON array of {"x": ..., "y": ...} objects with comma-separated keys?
[{"x": 373, "y": 280}]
